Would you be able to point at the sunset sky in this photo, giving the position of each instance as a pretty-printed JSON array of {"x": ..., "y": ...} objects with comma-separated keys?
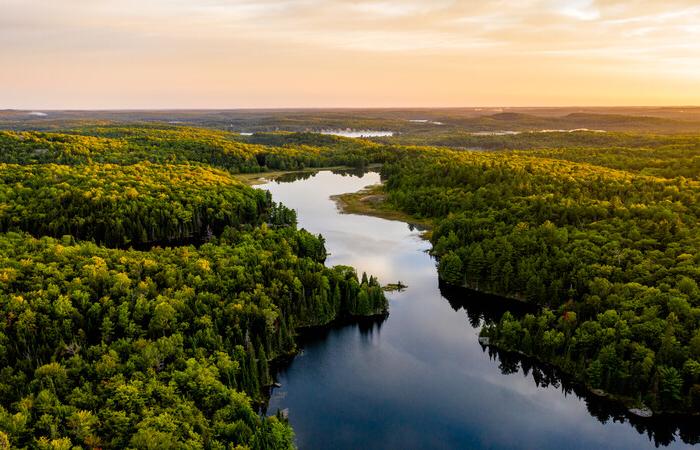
[{"x": 336, "y": 53}]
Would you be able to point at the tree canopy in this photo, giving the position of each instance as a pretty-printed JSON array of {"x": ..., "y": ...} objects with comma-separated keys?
[{"x": 144, "y": 291}]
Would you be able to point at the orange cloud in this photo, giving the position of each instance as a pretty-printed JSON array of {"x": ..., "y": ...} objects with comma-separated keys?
[{"x": 239, "y": 53}]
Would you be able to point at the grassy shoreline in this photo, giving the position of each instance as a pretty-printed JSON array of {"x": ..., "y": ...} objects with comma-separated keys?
[{"x": 371, "y": 201}]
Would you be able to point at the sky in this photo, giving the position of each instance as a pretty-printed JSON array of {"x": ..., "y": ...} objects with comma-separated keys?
[{"x": 116, "y": 54}]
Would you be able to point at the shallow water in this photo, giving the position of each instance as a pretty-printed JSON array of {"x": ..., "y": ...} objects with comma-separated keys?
[{"x": 420, "y": 379}]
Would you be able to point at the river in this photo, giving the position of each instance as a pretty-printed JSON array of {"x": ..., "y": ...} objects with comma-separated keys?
[{"x": 420, "y": 379}]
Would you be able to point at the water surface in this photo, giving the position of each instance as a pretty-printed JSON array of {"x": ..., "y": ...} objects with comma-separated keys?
[
  {"x": 420, "y": 379},
  {"x": 357, "y": 133}
]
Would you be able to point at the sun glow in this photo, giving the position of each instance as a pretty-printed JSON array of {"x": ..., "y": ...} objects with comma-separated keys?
[{"x": 273, "y": 53}]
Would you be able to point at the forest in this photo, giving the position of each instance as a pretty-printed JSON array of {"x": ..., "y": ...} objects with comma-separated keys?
[
  {"x": 144, "y": 291},
  {"x": 606, "y": 242},
  {"x": 119, "y": 205},
  {"x": 126, "y": 145}
]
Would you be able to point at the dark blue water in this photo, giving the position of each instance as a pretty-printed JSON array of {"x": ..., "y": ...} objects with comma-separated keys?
[{"x": 420, "y": 379}]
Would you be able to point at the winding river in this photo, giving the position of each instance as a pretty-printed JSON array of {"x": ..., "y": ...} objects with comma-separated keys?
[{"x": 420, "y": 379}]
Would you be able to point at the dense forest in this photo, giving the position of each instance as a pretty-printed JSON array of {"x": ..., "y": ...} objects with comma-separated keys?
[
  {"x": 145, "y": 290},
  {"x": 118, "y": 205},
  {"x": 144, "y": 293},
  {"x": 610, "y": 253},
  {"x": 177, "y": 145},
  {"x": 667, "y": 158}
]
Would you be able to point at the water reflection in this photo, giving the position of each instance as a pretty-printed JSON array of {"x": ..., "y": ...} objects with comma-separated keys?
[
  {"x": 305, "y": 175},
  {"x": 661, "y": 430},
  {"x": 420, "y": 379},
  {"x": 357, "y": 133},
  {"x": 483, "y": 308},
  {"x": 366, "y": 328}
]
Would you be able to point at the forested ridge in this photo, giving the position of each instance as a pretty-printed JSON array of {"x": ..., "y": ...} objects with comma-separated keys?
[
  {"x": 105, "y": 346},
  {"x": 179, "y": 145},
  {"x": 611, "y": 254},
  {"x": 118, "y": 205},
  {"x": 680, "y": 158}
]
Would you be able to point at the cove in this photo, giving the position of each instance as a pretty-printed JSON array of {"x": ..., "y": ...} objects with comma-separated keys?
[{"x": 419, "y": 378}]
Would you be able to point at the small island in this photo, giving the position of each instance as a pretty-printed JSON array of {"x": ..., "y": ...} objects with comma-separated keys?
[{"x": 391, "y": 287}]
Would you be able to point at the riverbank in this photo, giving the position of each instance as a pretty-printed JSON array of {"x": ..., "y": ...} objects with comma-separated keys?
[
  {"x": 632, "y": 406},
  {"x": 372, "y": 201}
]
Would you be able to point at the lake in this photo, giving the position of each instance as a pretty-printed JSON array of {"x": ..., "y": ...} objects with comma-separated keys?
[
  {"x": 357, "y": 133},
  {"x": 420, "y": 379}
]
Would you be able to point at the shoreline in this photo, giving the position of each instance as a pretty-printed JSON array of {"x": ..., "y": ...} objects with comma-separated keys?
[
  {"x": 371, "y": 201},
  {"x": 633, "y": 409}
]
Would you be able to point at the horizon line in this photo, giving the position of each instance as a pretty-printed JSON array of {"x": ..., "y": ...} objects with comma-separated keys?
[{"x": 348, "y": 108}]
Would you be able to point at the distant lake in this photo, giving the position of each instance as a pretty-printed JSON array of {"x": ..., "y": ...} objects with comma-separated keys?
[
  {"x": 432, "y": 122},
  {"x": 420, "y": 379},
  {"x": 574, "y": 130},
  {"x": 495, "y": 133},
  {"x": 512, "y": 133},
  {"x": 357, "y": 133}
]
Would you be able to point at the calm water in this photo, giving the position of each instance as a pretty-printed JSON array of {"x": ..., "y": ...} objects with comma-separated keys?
[
  {"x": 420, "y": 379},
  {"x": 357, "y": 133}
]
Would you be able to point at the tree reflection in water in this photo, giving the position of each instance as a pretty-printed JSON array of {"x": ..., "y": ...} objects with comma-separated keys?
[{"x": 482, "y": 308}]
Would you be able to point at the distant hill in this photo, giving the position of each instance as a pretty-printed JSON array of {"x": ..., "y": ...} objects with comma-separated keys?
[{"x": 670, "y": 120}]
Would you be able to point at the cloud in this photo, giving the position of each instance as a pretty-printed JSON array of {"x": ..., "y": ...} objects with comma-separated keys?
[
  {"x": 579, "y": 9},
  {"x": 644, "y": 38},
  {"x": 449, "y": 26}
]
